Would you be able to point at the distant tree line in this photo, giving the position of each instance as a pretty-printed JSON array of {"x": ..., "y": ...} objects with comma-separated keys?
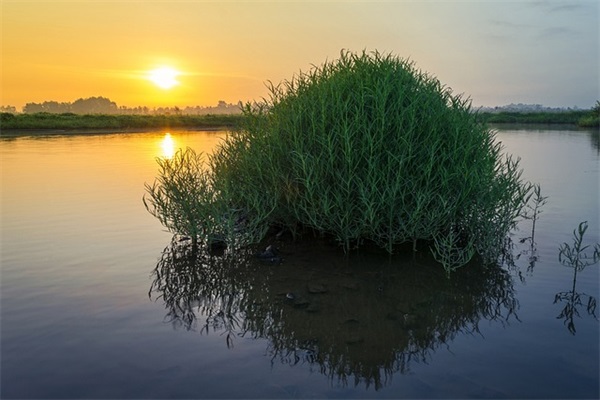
[
  {"x": 512, "y": 113},
  {"x": 92, "y": 105},
  {"x": 8, "y": 109},
  {"x": 514, "y": 117},
  {"x": 103, "y": 105},
  {"x": 583, "y": 118},
  {"x": 120, "y": 122},
  {"x": 526, "y": 108},
  {"x": 222, "y": 107}
]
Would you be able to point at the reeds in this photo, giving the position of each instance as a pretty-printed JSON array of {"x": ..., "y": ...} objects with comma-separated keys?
[
  {"x": 182, "y": 196},
  {"x": 367, "y": 148},
  {"x": 186, "y": 200}
]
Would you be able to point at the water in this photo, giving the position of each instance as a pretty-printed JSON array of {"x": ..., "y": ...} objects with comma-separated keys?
[{"x": 80, "y": 255}]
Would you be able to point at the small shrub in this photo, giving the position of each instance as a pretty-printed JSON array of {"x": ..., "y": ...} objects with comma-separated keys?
[
  {"x": 186, "y": 201},
  {"x": 592, "y": 119},
  {"x": 182, "y": 196}
]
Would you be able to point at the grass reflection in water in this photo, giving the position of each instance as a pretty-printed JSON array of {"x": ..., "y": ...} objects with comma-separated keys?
[{"x": 361, "y": 319}]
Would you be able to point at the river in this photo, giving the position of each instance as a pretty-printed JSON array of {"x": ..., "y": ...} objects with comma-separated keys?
[{"x": 98, "y": 302}]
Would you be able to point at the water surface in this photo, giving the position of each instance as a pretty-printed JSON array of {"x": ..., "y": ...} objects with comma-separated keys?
[{"x": 98, "y": 301}]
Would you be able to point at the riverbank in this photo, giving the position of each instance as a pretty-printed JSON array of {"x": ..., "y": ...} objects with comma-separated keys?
[
  {"x": 63, "y": 124},
  {"x": 581, "y": 118},
  {"x": 16, "y": 133},
  {"x": 100, "y": 123}
]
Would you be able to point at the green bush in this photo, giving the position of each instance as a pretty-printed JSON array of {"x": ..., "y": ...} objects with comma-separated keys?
[
  {"x": 369, "y": 149},
  {"x": 592, "y": 119}
]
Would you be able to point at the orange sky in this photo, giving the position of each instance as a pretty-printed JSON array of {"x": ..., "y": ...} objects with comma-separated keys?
[{"x": 495, "y": 52}]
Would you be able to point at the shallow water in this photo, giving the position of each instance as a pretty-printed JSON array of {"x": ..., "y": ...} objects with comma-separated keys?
[{"x": 97, "y": 301}]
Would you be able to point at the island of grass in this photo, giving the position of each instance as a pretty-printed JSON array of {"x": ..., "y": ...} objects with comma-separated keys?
[{"x": 366, "y": 149}]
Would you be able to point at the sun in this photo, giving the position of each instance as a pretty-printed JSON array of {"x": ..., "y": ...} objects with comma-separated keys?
[{"x": 164, "y": 77}]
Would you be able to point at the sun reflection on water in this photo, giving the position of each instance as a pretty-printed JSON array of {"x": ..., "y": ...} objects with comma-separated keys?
[{"x": 168, "y": 146}]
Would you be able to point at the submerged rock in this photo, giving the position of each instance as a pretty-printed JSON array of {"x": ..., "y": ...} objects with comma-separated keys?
[
  {"x": 354, "y": 338},
  {"x": 300, "y": 302},
  {"x": 296, "y": 300},
  {"x": 315, "y": 288},
  {"x": 410, "y": 321},
  {"x": 270, "y": 255},
  {"x": 350, "y": 285}
]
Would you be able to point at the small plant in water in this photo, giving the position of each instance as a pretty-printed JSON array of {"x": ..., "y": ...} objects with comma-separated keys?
[
  {"x": 533, "y": 208},
  {"x": 576, "y": 258}
]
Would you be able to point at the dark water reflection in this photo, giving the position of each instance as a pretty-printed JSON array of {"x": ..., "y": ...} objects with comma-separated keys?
[{"x": 357, "y": 321}]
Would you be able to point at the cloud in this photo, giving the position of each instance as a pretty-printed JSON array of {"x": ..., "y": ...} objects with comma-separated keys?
[
  {"x": 502, "y": 30},
  {"x": 531, "y": 26},
  {"x": 554, "y": 32},
  {"x": 557, "y": 6},
  {"x": 508, "y": 24},
  {"x": 565, "y": 7}
]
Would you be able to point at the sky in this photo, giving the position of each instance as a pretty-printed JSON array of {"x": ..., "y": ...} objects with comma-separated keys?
[{"x": 493, "y": 52}]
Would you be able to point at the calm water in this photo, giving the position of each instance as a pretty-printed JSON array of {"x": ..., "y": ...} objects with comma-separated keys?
[{"x": 97, "y": 302}]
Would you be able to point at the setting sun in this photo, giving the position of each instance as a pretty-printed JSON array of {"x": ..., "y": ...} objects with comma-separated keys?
[{"x": 164, "y": 77}]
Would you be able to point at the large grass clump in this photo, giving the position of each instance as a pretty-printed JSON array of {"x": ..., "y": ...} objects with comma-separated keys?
[{"x": 367, "y": 148}]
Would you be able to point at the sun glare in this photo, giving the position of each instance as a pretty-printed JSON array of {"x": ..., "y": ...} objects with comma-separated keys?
[
  {"x": 164, "y": 77},
  {"x": 168, "y": 146}
]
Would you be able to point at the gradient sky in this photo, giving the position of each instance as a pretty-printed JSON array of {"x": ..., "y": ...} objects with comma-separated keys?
[{"x": 495, "y": 52}]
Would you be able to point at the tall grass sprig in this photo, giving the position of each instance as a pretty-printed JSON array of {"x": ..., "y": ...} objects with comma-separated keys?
[{"x": 575, "y": 256}]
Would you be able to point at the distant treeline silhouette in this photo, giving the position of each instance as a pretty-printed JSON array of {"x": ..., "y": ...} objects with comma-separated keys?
[{"x": 103, "y": 105}]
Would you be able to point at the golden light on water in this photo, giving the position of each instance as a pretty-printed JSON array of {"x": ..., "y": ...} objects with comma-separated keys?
[{"x": 167, "y": 145}]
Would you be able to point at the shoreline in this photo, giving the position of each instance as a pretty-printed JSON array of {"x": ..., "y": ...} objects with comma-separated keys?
[
  {"x": 24, "y": 132},
  {"x": 537, "y": 125},
  {"x": 44, "y": 132},
  {"x": 47, "y": 124},
  {"x": 69, "y": 123}
]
